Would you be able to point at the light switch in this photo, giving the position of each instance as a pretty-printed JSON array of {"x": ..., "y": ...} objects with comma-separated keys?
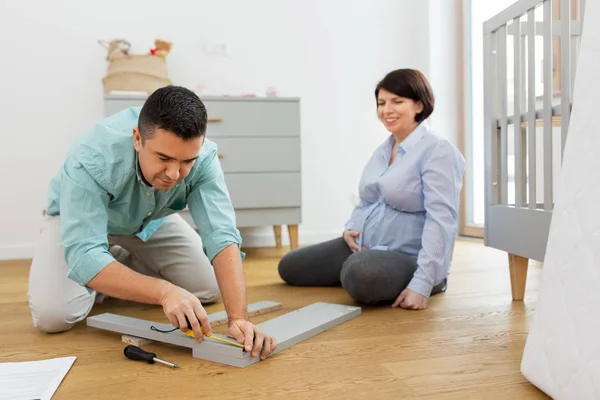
[{"x": 216, "y": 49}]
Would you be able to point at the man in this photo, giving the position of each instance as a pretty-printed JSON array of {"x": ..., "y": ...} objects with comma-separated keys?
[{"x": 111, "y": 226}]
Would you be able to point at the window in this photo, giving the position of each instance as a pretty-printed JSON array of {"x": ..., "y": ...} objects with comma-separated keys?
[{"x": 476, "y": 12}]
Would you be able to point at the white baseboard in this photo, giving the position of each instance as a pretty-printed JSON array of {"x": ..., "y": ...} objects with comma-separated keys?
[
  {"x": 250, "y": 239},
  {"x": 17, "y": 252}
]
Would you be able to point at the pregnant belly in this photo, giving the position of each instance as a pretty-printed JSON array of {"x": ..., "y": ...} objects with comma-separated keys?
[{"x": 396, "y": 231}]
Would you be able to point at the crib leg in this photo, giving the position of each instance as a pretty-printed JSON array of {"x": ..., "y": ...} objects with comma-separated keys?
[{"x": 518, "y": 275}]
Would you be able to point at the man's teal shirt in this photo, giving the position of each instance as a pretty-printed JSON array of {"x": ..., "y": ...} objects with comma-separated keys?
[{"x": 99, "y": 191}]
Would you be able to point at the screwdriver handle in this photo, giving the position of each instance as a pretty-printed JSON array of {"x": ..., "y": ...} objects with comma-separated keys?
[{"x": 137, "y": 354}]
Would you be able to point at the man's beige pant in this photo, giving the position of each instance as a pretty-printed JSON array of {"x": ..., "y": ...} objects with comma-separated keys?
[{"x": 174, "y": 253}]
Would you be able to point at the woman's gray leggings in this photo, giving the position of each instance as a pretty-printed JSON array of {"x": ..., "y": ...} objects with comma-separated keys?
[{"x": 370, "y": 276}]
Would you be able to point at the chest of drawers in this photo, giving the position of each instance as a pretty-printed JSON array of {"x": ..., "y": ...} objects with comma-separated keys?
[{"x": 258, "y": 141}]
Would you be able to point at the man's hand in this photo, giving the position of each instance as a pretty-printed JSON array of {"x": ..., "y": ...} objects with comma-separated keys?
[
  {"x": 178, "y": 304},
  {"x": 252, "y": 338},
  {"x": 411, "y": 300},
  {"x": 350, "y": 238},
  {"x": 231, "y": 279}
]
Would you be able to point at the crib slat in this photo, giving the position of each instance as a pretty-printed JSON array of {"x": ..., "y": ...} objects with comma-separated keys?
[
  {"x": 518, "y": 134},
  {"x": 547, "y": 108},
  {"x": 503, "y": 17},
  {"x": 490, "y": 139},
  {"x": 577, "y": 44},
  {"x": 581, "y": 14},
  {"x": 565, "y": 70},
  {"x": 531, "y": 131},
  {"x": 502, "y": 98},
  {"x": 574, "y": 52}
]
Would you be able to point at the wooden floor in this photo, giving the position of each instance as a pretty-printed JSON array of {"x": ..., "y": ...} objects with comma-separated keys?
[{"x": 469, "y": 343}]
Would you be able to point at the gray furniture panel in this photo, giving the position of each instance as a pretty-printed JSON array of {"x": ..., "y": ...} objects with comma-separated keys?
[
  {"x": 275, "y": 216},
  {"x": 264, "y": 190},
  {"x": 529, "y": 240},
  {"x": 259, "y": 154},
  {"x": 253, "y": 118},
  {"x": 251, "y": 217},
  {"x": 259, "y": 148},
  {"x": 237, "y": 116},
  {"x": 113, "y": 103},
  {"x": 288, "y": 329}
]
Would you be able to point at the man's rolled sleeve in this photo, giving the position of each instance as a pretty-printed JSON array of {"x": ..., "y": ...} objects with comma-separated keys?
[
  {"x": 84, "y": 218},
  {"x": 211, "y": 209}
]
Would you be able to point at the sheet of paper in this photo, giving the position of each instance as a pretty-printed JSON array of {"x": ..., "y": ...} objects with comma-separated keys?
[{"x": 33, "y": 380}]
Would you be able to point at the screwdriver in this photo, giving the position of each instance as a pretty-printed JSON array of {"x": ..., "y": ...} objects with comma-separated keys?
[{"x": 137, "y": 354}]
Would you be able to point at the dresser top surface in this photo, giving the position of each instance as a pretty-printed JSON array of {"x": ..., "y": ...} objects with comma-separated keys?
[{"x": 132, "y": 96}]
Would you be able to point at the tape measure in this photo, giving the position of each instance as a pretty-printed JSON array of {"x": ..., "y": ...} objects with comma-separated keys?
[{"x": 190, "y": 333}]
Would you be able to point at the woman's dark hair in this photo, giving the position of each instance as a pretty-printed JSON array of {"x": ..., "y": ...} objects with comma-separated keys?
[
  {"x": 411, "y": 84},
  {"x": 175, "y": 109}
]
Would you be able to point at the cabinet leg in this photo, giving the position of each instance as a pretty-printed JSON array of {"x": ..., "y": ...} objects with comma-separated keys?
[
  {"x": 293, "y": 231},
  {"x": 518, "y": 275},
  {"x": 277, "y": 231}
]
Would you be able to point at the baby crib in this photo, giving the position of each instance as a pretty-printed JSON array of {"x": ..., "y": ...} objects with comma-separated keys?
[{"x": 530, "y": 59}]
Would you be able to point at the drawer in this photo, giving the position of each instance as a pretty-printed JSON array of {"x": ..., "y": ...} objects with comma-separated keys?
[
  {"x": 242, "y": 118},
  {"x": 263, "y": 190},
  {"x": 259, "y": 154},
  {"x": 233, "y": 117},
  {"x": 114, "y": 104},
  {"x": 246, "y": 218}
]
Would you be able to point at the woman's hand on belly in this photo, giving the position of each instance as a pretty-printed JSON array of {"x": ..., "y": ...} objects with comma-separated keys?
[{"x": 350, "y": 238}]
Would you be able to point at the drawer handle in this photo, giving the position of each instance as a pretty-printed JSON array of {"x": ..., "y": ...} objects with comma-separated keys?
[
  {"x": 220, "y": 155},
  {"x": 215, "y": 119}
]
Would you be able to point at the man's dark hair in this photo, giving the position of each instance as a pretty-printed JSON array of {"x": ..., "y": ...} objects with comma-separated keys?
[
  {"x": 412, "y": 84},
  {"x": 175, "y": 109}
]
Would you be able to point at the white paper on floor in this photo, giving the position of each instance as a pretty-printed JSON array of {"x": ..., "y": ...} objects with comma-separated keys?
[{"x": 33, "y": 380}]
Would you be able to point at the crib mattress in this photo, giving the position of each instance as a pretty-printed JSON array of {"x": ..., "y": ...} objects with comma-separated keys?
[{"x": 562, "y": 352}]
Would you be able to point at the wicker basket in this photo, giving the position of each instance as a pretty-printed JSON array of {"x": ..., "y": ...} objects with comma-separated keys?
[{"x": 144, "y": 73}]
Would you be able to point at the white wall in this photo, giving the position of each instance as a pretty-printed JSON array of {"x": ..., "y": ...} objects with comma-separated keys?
[
  {"x": 329, "y": 53},
  {"x": 446, "y": 66}
]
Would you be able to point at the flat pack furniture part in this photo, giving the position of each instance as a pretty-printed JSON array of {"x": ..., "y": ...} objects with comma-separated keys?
[
  {"x": 215, "y": 319},
  {"x": 288, "y": 329}
]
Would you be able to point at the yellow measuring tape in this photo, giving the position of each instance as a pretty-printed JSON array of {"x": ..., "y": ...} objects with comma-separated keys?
[{"x": 190, "y": 333}]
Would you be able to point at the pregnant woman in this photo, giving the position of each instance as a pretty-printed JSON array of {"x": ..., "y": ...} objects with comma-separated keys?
[{"x": 398, "y": 243}]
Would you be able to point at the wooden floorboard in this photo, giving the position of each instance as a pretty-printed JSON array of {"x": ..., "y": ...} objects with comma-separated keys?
[{"x": 469, "y": 343}]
